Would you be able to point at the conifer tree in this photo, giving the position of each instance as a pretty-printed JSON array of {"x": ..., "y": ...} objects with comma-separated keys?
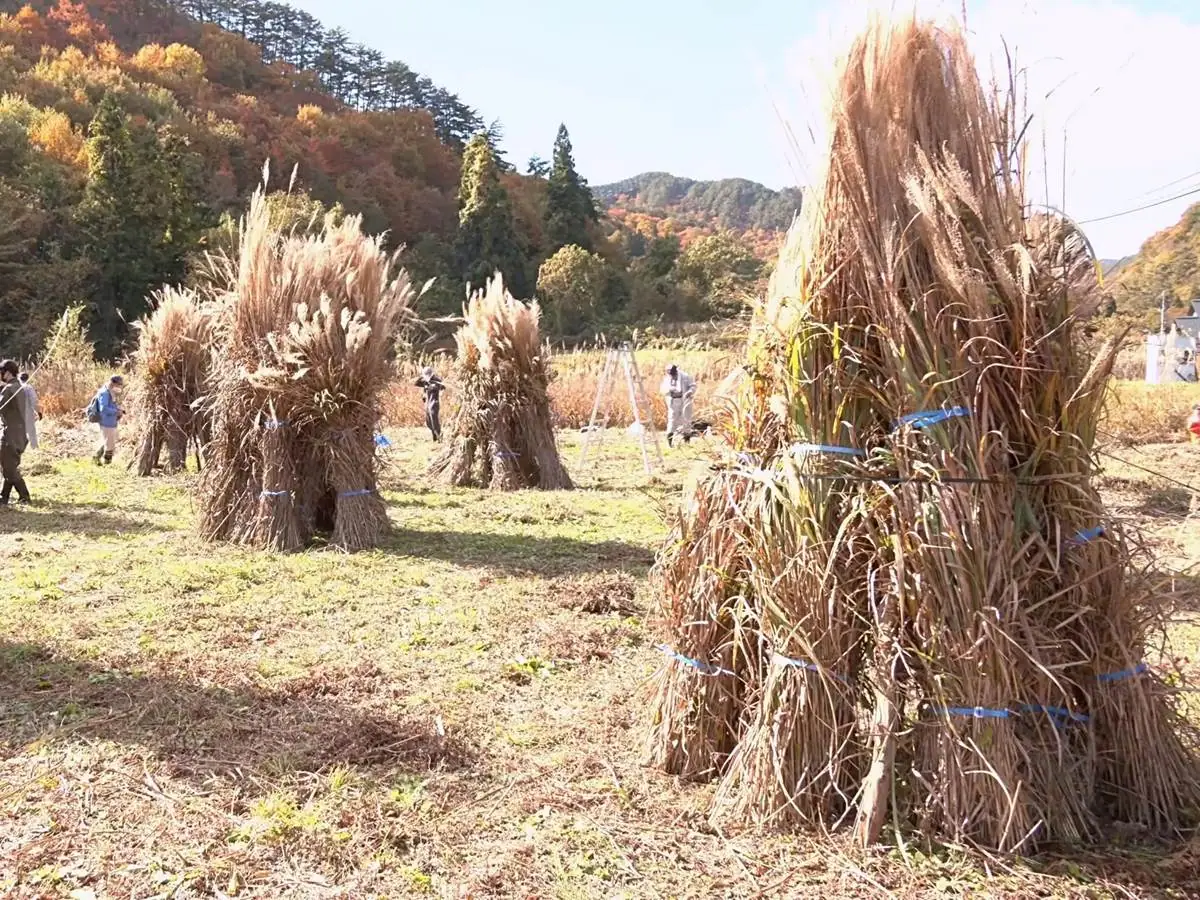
[
  {"x": 570, "y": 207},
  {"x": 140, "y": 216},
  {"x": 487, "y": 240}
]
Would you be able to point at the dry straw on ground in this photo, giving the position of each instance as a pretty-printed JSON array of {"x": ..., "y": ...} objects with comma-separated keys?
[
  {"x": 502, "y": 435},
  {"x": 304, "y": 334},
  {"x": 170, "y": 373},
  {"x": 915, "y": 610}
]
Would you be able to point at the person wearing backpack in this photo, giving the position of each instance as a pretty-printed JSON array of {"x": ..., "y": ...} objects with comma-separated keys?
[
  {"x": 106, "y": 412},
  {"x": 13, "y": 439}
]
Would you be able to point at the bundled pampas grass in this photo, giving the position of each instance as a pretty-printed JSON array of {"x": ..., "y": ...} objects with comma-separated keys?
[
  {"x": 171, "y": 367},
  {"x": 941, "y": 629},
  {"x": 305, "y": 331},
  {"x": 502, "y": 435}
]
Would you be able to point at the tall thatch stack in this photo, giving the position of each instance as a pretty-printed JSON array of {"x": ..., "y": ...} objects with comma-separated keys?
[
  {"x": 171, "y": 367},
  {"x": 903, "y": 602},
  {"x": 502, "y": 435},
  {"x": 304, "y": 337}
]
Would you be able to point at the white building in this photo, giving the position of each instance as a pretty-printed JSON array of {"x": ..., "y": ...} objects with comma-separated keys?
[{"x": 1172, "y": 356}]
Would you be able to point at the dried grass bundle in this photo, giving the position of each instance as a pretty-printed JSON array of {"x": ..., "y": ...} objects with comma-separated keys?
[
  {"x": 951, "y": 641},
  {"x": 305, "y": 333},
  {"x": 502, "y": 435},
  {"x": 171, "y": 367}
]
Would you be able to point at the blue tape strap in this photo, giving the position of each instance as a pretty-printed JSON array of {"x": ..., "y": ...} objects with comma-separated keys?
[
  {"x": 971, "y": 712},
  {"x": 1139, "y": 669},
  {"x": 272, "y": 424},
  {"x": 799, "y": 449},
  {"x": 781, "y": 660},
  {"x": 506, "y": 454},
  {"x": 932, "y": 417},
  {"x": 702, "y": 667},
  {"x": 361, "y": 493},
  {"x": 1089, "y": 534},
  {"x": 382, "y": 441},
  {"x": 275, "y": 494},
  {"x": 1058, "y": 713}
]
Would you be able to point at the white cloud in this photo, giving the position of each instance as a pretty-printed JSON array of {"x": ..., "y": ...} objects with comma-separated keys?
[{"x": 1110, "y": 77}]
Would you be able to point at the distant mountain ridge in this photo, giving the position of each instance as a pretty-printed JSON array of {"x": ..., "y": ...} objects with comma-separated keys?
[{"x": 734, "y": 203}]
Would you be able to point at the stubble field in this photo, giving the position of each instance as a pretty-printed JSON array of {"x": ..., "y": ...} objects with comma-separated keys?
[{"x": 456, "y": 714}]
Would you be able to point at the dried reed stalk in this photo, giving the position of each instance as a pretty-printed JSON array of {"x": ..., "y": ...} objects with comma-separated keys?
[
  {"x": 502, "y": 435},
  {"x": 305, "y": 329},
  {"x": 171, "y": 367},
  {"x": 700, "y": 707},
  {"x": 933, "y": 559}
]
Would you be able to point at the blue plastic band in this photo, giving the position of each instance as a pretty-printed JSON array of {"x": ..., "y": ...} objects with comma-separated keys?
[
  {"x": 275, "y": 494},
  {"x": 780, "y": 659},
  {"x": 1058, "y": 713},
  {"x": 970, "y": 712},
  {"x": 272, "y": 424},
  {"x": 1089, "y": 534},
  {"x": 932, "y": 417},
  {"x": 1139, "y": 669},
  {"x": 361, "y": 493},
  {"x": 701, "y": 667},
  {"x": 382, "y": 441},
  {"x": 506, "y": 454},
  {"x": 798, "y": 449}
]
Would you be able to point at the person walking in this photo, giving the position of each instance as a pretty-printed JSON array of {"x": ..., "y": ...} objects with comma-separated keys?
[
  {"x": 679, "y": 389},
  {"x": 33, "y": 412},
  {"x": 13, "y": 436},
  {"x": 433, "y": 387},
  {"x": 106, "y": 412}
]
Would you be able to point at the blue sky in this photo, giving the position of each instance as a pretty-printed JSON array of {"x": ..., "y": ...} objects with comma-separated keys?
[{"x": 702, "y": 88}]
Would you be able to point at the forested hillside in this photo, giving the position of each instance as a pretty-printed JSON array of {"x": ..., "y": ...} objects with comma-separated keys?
[
  {"x": 1167, "y": 266},
  {"x": 696, "y": 208},
  {"x": 133, "y": 131}
]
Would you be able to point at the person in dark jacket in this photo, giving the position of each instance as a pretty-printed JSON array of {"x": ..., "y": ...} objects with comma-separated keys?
[
  {"x": 433, "y": 387},
  {"x": 13, "y": 438}
]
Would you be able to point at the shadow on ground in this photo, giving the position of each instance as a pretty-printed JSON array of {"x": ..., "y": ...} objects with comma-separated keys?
[
  {"x": 322, "y": 719},
  {"x": 52, "y": 517},
  {"x": 550, "y": 556}
]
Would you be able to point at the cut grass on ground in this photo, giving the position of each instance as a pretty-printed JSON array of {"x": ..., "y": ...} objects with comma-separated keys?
[{"x": 458, "y": 713}]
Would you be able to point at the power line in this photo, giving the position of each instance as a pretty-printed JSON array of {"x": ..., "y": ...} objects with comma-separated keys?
[
  {"x": 1169, "y": 184},
  {"x": 1136, "y": 209}
]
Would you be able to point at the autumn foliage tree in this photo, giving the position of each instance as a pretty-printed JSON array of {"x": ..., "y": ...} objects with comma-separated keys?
[
  {"x": 718, "y": 273},
  {"x": 575, "y": 288}
]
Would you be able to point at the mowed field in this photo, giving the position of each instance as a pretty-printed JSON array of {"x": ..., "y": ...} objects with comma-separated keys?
[{"x": 457, "y": 714}]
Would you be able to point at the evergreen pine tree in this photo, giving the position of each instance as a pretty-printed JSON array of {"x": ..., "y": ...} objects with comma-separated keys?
[
  {"x": 139, "y": 218},
  {"x": 487, "y": 240},
  {"x": 570, "y": 207}
]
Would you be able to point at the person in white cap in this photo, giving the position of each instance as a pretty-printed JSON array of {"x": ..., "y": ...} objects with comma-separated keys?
[
  {"x": 33, "y": 411},
  {"x": 679, "y": 389}
]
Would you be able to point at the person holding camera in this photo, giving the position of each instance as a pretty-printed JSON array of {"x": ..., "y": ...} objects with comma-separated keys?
[{"x": 679, "y": 389}]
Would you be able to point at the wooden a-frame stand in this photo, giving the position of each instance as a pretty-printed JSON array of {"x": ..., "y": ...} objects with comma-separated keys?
[{"x": 622, "y": 359}]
